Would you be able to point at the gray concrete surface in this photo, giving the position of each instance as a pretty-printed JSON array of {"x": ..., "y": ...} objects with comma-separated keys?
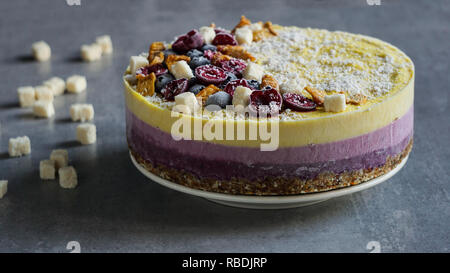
[{"x": 116, "y": 209}]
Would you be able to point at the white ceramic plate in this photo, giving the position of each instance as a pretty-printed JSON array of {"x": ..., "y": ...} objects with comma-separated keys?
[{"x": 269, "y": 202}]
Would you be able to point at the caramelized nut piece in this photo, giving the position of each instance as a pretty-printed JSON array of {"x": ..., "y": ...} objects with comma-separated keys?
[
  {"x": 317, "y": 95},
  {"x": 155, "y": 49},
  {"x": 206, "y": 92},
  {"x": 213, "y": 25},
  {"x": 268, "y": 80},
  {"x": 243, "y": 22},
  {"x": 236, "y": 52},
  {"x": 268, "y": 25},
  {"x": 158, "y": 59},
  {"x": 172, "y": 59},
  {"x": 218, "y": 57},
  {"x": 146, "y": 84}
]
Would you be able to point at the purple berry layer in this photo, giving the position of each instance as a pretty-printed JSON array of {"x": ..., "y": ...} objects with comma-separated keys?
[{"x": 224, "y": 162}]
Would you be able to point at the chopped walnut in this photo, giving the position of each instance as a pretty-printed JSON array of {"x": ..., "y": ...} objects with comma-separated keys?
[
  {"x": 317, "y": 95},
  {"x": 244, "y": 22},
  {"x": 146, "y": 84},
  {"x": 236, "y": 52},
  {"x": 268, "y": 80}
]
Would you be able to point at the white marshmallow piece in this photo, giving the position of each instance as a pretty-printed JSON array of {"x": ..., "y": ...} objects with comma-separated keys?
[
  {"x": 208, "y": 34},
  {"x": 244, "y": 35},
  {"x": 43, "y": 109},
  {"x": 47, "y": 169},
  {"x": 19, "y": 146},
  {"x": 137, "y": 62},
  {"x": 86, "y": 133},
  {"x": 181, "y": 69},
  {"x": 41, "y": 51},
  {"x": 293, "y": 86},
  {"x": 56, "y": 84},
  {"x": 76, "y": 84},
  {"x": 92, "y": 52},
  {"x": 105, "y": 43},
  {"x": 186, "y": 103},
  {"x": 253, "y": 71},
  {"x": 241, "y": 98},
  {"x": 255, "y": 26},
  {"x": 27, "y": 96},
  {"x": 334, "y": 103},
  {"x": 81, "y": 112},
  {"x": 43, "y": 92},
  {"x": 68, "y": 177},
  {"x": 61, "y": 158},
  {"x": 3, "y": 188}
]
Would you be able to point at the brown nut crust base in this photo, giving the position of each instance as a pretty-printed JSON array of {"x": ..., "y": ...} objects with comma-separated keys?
[{"x": 274, "y": 185}]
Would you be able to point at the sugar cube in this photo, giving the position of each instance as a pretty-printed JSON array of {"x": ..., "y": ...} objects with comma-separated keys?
[
  {"x": 47, "y": 169},
  {"x": 181, "y": 69},
  {"x": 26, "y": 96},
  {"x": 137, "y": 62},
  {"x": 208, "y": 34},
  {"x": 41, "y": 51},
  {"x": 76, "y": 84},
  {"x": 67, "y": 177},
  {"x": 19, "y": 146},
  {"x": 105, "y": 43},
  {"x": 92, "y": 52},
  {"x": 61, "y": 158},
  {"x": 56, "y": 84},
  {"x": 244, "y": 35},
  {"x": 3, "y": 188},
  {"x": 43, "y": 92},
  {"x": 81, "y": 112},
  {"x": 86, "y": 133},
  {"x": 186, "y": 103},
  {"x": 253, "y": 71},
  {"x": 43, "y": 109},
  {"x": 334, "y": 103}
]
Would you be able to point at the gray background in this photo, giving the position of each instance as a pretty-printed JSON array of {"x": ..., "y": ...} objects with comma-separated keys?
[{"x": 115, "y": 208}]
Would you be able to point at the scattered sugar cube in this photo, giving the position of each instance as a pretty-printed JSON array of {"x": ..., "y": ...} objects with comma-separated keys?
[
  {"x": 137, "y": 62},
  {"x": 67, "y": 177},
  {"x": 244, "y": 35},
  {"x": 241, "y": 97},
  {"x": 208, "y": 34},
  {"x": 61, "y": 158},
  {"x": 81, "y": 112},
  {"x": 92, "y": 52},
  {"x": 186, "y": 103},
  {"x": 43, "y": 92},
  {"x": 105, "y": 43},
  {"x": 26, "y": 96},
  {"x": 253, "y": 72},
  {"x": 56, "y": 84},
  {"x": 19, "y": 146},
  {"x": 76, "y": 84},
  {"x": 86, "y": 133},
  {"x": 3, "y": 188},
  {"x": 181, "y": 69},
  {"x": 334, "y": 103},
  {"x": 41, "y": 51},
  {"x": 47, "y": 169},
  {"x": 43, "y": 109}
]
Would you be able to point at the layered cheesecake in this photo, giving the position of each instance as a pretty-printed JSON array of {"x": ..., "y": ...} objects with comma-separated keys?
[{"x": 264, "y": 109}]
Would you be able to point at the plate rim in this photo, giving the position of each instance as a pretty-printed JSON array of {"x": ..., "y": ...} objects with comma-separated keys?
[{"x": 306, "y": 197}]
